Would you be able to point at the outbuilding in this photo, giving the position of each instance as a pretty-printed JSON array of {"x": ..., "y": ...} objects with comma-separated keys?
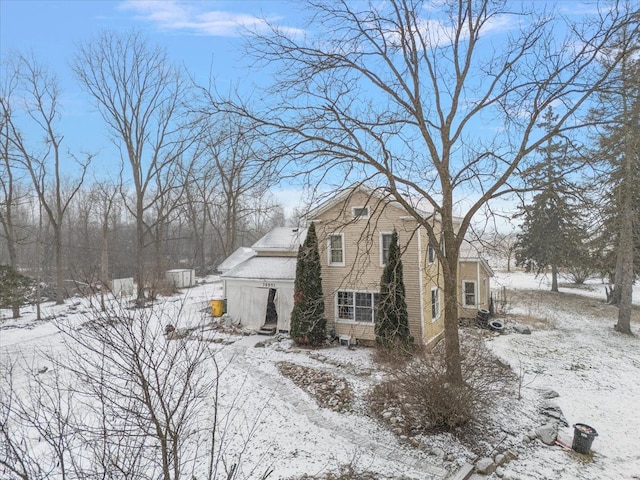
[{"x": 259, "y": 290}]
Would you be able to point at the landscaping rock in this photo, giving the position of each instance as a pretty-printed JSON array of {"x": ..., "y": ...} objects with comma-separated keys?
[
  {"x": 500, "y": 459},
  {"x": 553, "y": 410},
  {"x": 437, "y": 452},
  {"x": 548, "y": 433},
  {"x": 485, "y": 466},
  {"x": 523, "y": 329},
  {"x": 500, "y": 472},
  {"x": 510, "y": 455},
  {"x": 549, "y": 394}
]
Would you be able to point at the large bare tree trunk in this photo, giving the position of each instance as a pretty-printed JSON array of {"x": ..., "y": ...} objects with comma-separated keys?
[{"x": 397, "y": 99}]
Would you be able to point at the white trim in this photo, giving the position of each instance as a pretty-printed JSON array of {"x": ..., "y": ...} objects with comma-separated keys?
[
  {"x": 360, "y": 217},
  {"x": 381, "y": 249},
  {"x": 420, "y": 281},
  {"x": 475, "y": 294},
  {"x": 329, "y": 262},
  {"x": 439, "y": 304}
]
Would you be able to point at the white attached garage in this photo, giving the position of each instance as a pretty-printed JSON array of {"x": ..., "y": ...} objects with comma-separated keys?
[{"x": 259, "y": 291}]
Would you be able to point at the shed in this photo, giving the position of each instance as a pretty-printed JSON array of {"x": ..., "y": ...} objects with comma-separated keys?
[
  {"x": 253, "y": 285},
  {"x": 181, "y": 278},
  {"x": 122, "y": 287},
  {"x": 259, "y": 290}
]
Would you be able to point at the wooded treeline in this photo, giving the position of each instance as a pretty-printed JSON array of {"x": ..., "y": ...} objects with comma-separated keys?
[{"x": 188, "y": 190}]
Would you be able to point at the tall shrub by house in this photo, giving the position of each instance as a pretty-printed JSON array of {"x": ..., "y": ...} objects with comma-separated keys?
[
  {"x": 308, "y": 325},
  {"x": 392, "y": 320}
]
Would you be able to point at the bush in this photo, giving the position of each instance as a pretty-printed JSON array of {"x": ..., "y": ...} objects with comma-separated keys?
[{"x": 419, "y": 398}]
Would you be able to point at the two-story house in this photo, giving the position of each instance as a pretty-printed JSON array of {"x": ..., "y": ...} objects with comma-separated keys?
[{"x": 354, "y": 230}]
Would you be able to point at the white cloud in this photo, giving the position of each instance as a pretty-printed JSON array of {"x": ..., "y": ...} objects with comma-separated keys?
[{"x": 194, "y": 17}]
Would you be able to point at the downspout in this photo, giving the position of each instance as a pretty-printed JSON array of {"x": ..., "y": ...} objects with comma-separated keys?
[
  {"x": 420, "y": 284},
  {"x": 479, "y": 283}
]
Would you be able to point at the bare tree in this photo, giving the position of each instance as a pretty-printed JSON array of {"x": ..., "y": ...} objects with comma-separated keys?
[
  {"x": 10, "y": 174},
  {"x": 618, "y": 116},
  {"x": 140, "y": 97},
  {"x": 43, "y": 161},
  {"x": 400, "y": 93},
  {"x": 244, "y": 172},
  {"x": 126, "y": 400}
]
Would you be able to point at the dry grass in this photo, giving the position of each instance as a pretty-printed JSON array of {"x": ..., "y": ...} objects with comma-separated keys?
[
  {"x": 537, "y": 302},
  {"x": 418, "y": 398}
]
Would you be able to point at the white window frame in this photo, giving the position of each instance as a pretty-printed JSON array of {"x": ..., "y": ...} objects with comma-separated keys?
[
  {"x": 363, "y": 216},
  {"x": 382, "y": 235},
  {"x": 330, "y": 250},
  {"x": 435, "y": 303},
  {"x": 353, "y": 305},
  {"x": 464, "y": 293}
]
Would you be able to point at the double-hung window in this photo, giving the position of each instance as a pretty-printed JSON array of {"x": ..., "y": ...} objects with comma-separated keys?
[
  {"x": 385, "y": 244},
  {"x": 469, "y": 293},
  {"x": 431, "y": 253},
  {"x": 435, "y": 303},
  {"x": 335, "y": 249},
  {"x": 359, "y": 307}
]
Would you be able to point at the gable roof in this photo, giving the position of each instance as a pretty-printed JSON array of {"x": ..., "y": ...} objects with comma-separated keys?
[
  {"x": 267, "y": 268},
  {"x": 379, "y": 194},
  {"x": 281, "y": 239},
  {"x": 375, "y": 195},
  {"x": 236, "y": 258}
]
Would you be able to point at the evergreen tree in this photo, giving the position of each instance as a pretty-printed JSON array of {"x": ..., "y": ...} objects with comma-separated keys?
[
  {"x": 14, "y": 288},
  {"x": 553, "y": 229},
  {"x": 308, "y": 325},
  {"x": 392, "y": 319}
]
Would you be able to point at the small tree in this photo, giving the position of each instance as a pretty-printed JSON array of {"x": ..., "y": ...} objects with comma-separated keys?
[
  {"x": 14, "y": 288},
  {"x": 308, "y": 324},
  {"x": 392, "y": 320}
]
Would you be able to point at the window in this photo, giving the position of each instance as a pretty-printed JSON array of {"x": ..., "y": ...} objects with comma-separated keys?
[
  {"x": 385, "y": 243},
  {"x": 336, "y": 249},
  {"x": 435, "y": 303},
  {"x": 469, "y": 294},
  {"x": 357, "y": 306},
  {"x": 431, "y": 253},
  {"x": 360, "y": 212}
]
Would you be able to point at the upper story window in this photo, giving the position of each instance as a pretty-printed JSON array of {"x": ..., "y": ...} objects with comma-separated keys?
[
  {"x": 469, "y": 293},
  {"x": 335, "y": 249},
  {"x": 385, "y": 244},
  {"x": 431, "y": 253},
  {"x": 360, "y": 212},
  {"x": 435, "y": 304}
]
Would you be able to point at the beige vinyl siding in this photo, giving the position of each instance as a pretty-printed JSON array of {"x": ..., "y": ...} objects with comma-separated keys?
[
  {"x": 473, "y": 270},
  {"x": 362, "y": 270}
]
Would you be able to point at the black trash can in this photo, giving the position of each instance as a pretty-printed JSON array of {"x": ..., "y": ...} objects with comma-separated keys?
[
  {"x": 583, "y": 436},
  {"x": 483, "y": 318}
]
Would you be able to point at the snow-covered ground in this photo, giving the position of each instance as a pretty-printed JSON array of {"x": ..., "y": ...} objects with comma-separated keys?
[{"x": 572, "y": 350}]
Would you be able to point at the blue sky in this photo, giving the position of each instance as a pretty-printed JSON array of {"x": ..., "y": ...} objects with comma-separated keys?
[{"x": 203, "y": 35}]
